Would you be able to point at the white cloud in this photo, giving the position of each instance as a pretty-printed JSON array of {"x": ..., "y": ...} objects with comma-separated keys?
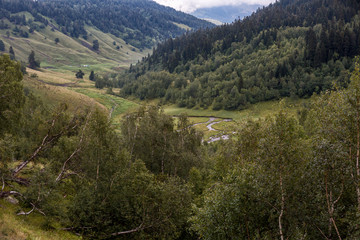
[{"x": 189, "y": 6}]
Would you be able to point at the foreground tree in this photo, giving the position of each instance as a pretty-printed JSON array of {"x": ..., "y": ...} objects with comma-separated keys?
[
  {"x": 260, "y": 193},
  {"x": 11, "y": 93},
  {"x": 151, "y": 136}
]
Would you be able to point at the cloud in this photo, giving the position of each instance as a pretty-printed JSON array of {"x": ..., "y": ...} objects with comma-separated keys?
[{"x": 190, "y": 6}]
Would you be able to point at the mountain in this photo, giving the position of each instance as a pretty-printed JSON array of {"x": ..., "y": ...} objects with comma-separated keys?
[
  {"x": 226, "y": 14},
  {"x": 120, "y": 26},
  {"x": 293, "y": 48}
]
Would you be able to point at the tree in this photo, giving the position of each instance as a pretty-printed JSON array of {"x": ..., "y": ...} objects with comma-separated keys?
[
  {"x": 151, "y": 136},
  {"x": 2, "y": 45},
  {"x": 57, "y": 40},
  {"x": 92, "y": 76},
  {"x": 12, "y": 53},
  {"x": 232, "y": 209},
  {"x": 80, "y": 74},
  {"x": 96, "y": 45},
  {"x": 32, "y": 62},
  {"x": 11, "y": 93}
]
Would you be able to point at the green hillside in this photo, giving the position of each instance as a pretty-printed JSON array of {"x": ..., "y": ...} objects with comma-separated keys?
[
  {"x": 288, "y": 49},
  {"x": 71, "y": 53},
  {"x": 62, "y": 33}
]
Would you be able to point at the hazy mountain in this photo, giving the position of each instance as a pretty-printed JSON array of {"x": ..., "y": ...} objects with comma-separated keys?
[{"x": 226, "y": 14}]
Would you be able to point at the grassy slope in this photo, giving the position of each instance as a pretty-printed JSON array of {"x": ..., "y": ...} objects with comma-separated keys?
[
  {"x": 70, "y": 53},
  {"x": 54, "y": 95},
  {"x": 33, "y": 226}
]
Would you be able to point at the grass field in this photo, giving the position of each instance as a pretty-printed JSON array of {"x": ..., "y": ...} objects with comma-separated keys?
[
  {"x": 120, "y": 105},
  {"x": 33, "y": 226},
  {"x": 254, "y": 112}
]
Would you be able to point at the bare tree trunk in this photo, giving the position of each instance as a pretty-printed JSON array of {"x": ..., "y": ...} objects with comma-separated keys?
[
  {"x": 133, "y": 145},
  {"x": 139, "y": 228},
  {"x": 162, "y": 159},
  {"x": 97, "y": 172},
  {"x": 331, "y": 208},
  {"x": 357, "y": 155},
  {"x": 47, "y": 140},
  {"x": 63, "y": 169},
  {"x": 76, "y": 151},
  {"x": 282, "y": 208}
]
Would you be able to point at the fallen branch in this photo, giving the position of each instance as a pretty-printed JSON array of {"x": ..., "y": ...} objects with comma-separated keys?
[
  {"x": 3, "y": 182},
  {"x": 21, "y": 181},
  {"x": 76, "y": 151},
  {"x": 32, "y": 210},
  {"x": 9, "y": 193},
  {"x": 139, "y": 228},
  {"x": 47, "y": 140}
]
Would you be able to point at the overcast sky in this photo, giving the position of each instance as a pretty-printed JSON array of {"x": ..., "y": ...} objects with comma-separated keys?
[{"x": 189, "y": 6}]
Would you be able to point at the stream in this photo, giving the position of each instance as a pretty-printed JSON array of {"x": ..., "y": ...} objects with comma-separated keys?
[{"x": 209, "y": 125}]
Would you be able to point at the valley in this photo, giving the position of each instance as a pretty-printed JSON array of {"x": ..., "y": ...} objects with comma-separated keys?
[
  {"x": 62, "y": 86},
  {"x": 126, "y": 119}
]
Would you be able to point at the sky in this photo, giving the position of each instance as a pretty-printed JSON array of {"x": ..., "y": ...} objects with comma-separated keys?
[{"x": 190, "y": 6}]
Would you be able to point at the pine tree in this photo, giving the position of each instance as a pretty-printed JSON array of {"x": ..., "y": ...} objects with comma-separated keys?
[
  {"x": 12, "y": 53},
  {"x": 96, "y": 45},
  {"x": 2, "y": 45},
  {"x": 32, "y": 62},
  {"x": 80, "y": 74},
  {"x": 92, "y": 76}
]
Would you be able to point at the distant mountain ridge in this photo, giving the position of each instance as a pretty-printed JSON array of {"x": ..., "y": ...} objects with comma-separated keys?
[{"x": 226, "y": 14}]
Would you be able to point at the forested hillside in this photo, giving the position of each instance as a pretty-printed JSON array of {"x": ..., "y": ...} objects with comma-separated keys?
[
  {"x": 290, "y": 48},
  {"x": 141, "y": 23}
]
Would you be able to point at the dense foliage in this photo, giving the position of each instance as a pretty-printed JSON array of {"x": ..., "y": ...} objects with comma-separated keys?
[
  {"x": 287, "y": 177},
  {"x": 76, "y": 170},
  {"x": 286, "y": 180},
  {"x": 290, "y": 48},
  {"x": 141, "y": 23}
]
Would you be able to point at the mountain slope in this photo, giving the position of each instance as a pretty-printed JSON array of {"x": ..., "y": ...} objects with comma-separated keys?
[
  {"x": 123, "y": 29},
  {"x": 290, "y": 48}
]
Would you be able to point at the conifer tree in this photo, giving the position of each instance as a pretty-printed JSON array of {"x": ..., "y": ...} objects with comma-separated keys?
[
  {"x": 32, "y": 62},
  {"x": 2, "y": 45},
  {"x": 92, "y": 76},
  {"x": 12, "y": 53},
  {"x": 80, "y": 74}
]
